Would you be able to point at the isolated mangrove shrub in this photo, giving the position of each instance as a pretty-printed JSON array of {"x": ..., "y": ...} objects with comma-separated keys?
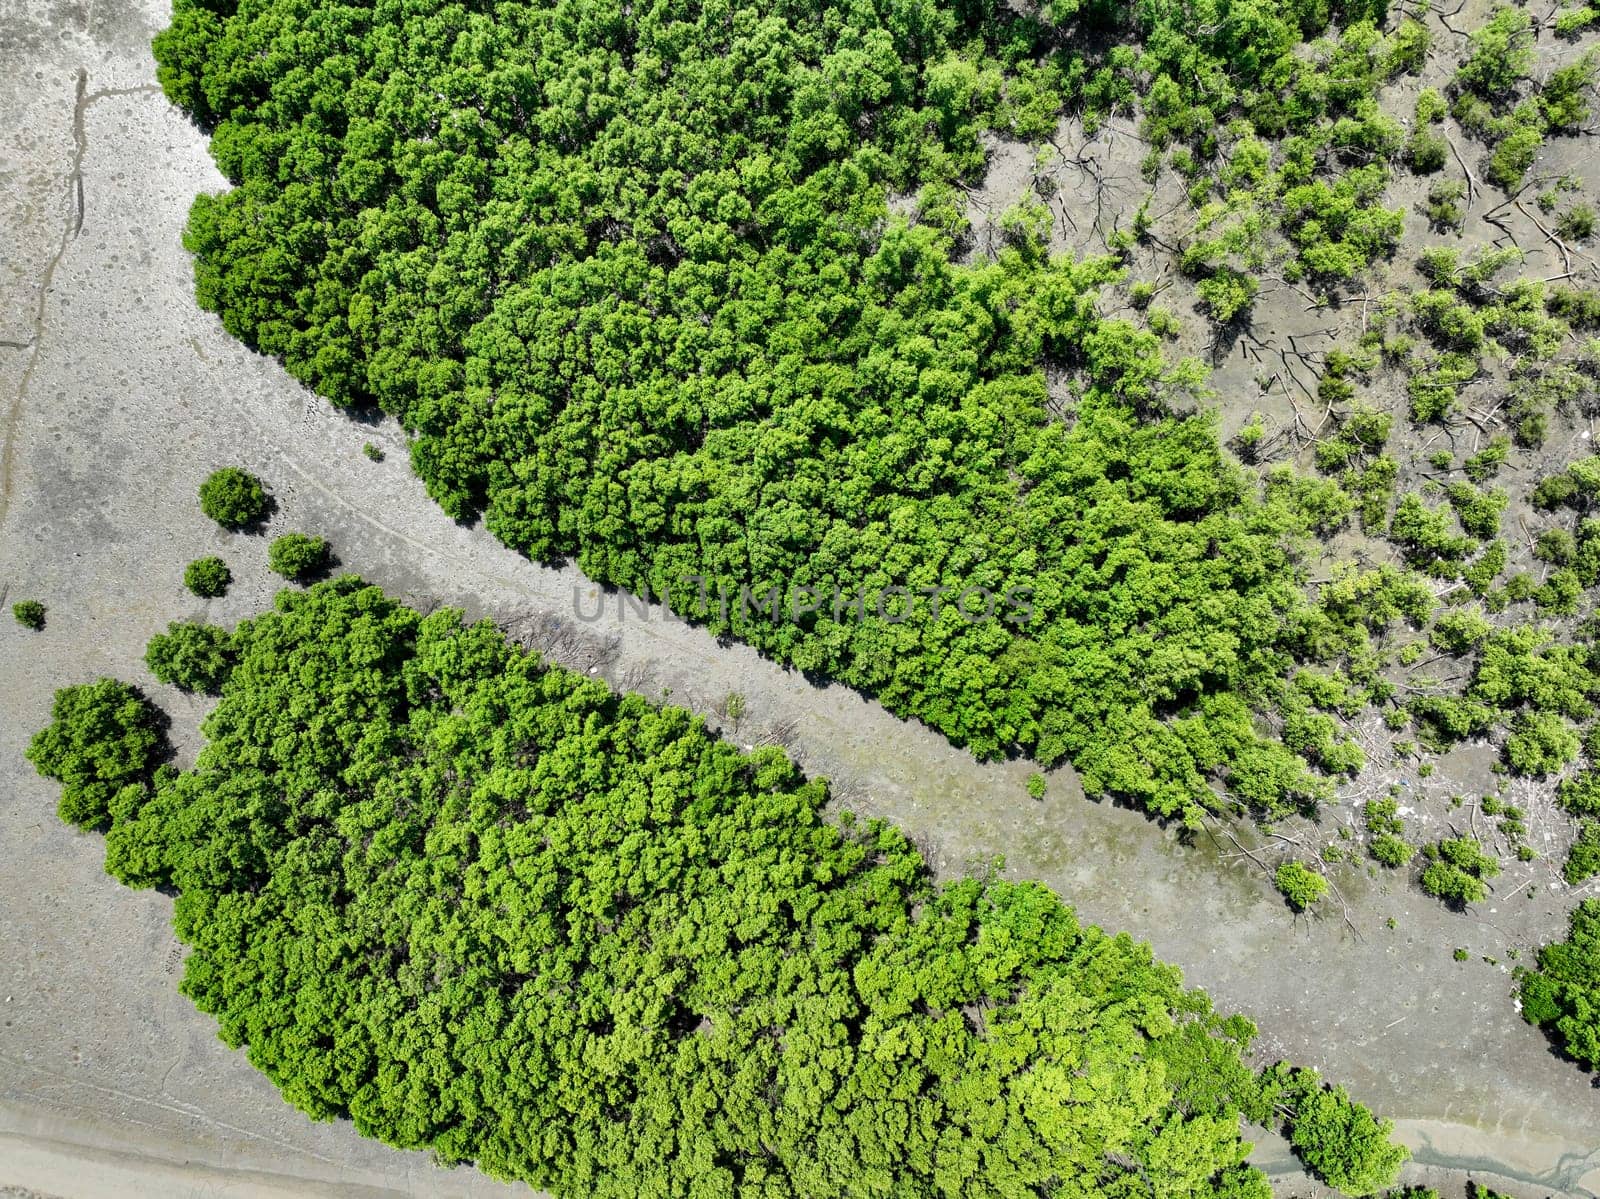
[
  {"x": 234, "y": 498},
  {"x": 207, "y": 577},
  {"x": 29, "y": 614},
  {"x": 1458, "y": 870},
  {"x": 482, "y": 905},
  {"x": 103, "y": 743},
  {"x": 1301, "y": 886},
  {"x": 299, "y": 556},
  {"x": 1563, "y": 994}
]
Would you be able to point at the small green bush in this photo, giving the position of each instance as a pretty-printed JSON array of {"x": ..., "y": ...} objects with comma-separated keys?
[
  {"x": 207, "y": 577},
  {"x": 191, "y": 657},
  {"x": 1577, "y": 223},
  {"x": 103, "y": 742},
  {"x": 1300, "y": 885},
  {"x": 1392, "y": 851},
  {"x": 1426, "y": 152},
  {"x": 234, "y": 498},
  {"x": 1583, "y": 860},
  {"x": 1458, "y": 870},
  {"x": 1563, "y": 994},
  {"x": 29, "y": 614},
  {"x": 299, "y": 556},
  {"x": 372, "y": 452},
  {"x": 1036, "y": 785}
]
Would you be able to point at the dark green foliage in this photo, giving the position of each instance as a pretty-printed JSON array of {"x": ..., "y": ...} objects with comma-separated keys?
[
  {"x": 192, "y": 657},
  {"x": 207, "y": 577},
  {"x": 1301, "y": 886},
  {"x": 29, "y": 614},
  {"x": 1563, "y": 994},
  {"x": 1458, "y": 870},
  {"x": 374, "y": 453},
  {"x": 234, "y": 498},
  {"x": 485, "y": 906},
  {"x": 632, "y": 285},
  {"x": 1426, "y": 151},
  {"x": 103, "y": 744},
  {"x": 1577, "y": 223},
  {"x": 1555, "y": 546},
  {"x": 299, "y": 556},
  {"x": 1443, "y": 204}
]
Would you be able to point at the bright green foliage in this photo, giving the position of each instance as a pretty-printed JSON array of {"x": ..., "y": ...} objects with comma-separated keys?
[
  {"x": 629, "y": 278},
  {"x": 1458, "y": 870},
  {"x": 1301, "y": 886},
  {"x": 29, "y": 614},
  {"x": 1502, "y": 54},
  {"x": 1540, "y": 743},
  {"x": 192, "y": 657},
  {"x": 1391, "y": 851},
  {"x": 1427, "y": 536},
  {"x": 1036, "y": 785},
  {"x": 1388, "y": 846},
  {"x": 234, "y": 498},
  {"x": 1492, "y": 78},
  {"x": 207, "y": 577},
  {"x": 1486, "y": 463},
  {"x": 1478, "y": 511},
  {"x": 1460, "y": 631},
  {"x": 299, "y": 556},
  {"x": 1583, "y": 859},
  {"x": 1580, "y": 794},
  {"x": 484, "y": 906},
  {"x": 1523, "y": 677},
  {"x": 1340, "y": 1140},
  {"x": 103, "y": 743},
  {"x": 1563, "y": 994}
]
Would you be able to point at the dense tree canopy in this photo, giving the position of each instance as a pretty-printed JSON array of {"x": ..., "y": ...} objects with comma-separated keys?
[
  {"x": 485, "y": 906},
  {"x": 628, "y": 276}
]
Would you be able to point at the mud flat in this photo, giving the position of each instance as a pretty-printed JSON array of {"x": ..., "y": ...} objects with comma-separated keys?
[{"x": 118, "y": 396}]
